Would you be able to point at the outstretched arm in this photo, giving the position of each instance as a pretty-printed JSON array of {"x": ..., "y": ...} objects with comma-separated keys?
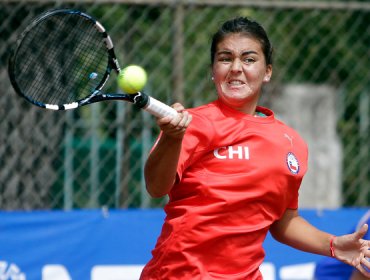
[
  {"x": 160, "y": 168},
  {"x": 295, "y": 231}
]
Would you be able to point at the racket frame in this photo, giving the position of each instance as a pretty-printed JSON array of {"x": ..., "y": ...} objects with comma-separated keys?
[{"x": 139, "y": 99}]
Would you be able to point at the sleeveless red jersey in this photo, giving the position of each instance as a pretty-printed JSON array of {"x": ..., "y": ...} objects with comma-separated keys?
[{"x": 237, "y": 174}]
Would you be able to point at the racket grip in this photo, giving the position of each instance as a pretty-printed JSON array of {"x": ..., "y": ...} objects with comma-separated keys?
[{"x": 159, "y": 109}]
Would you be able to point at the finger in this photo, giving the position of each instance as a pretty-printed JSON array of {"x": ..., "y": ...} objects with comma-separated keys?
[
  {"x": 363, "y": 270},
  {"x": 164, "y": 121},
  {"x": 365, "y": 262},
  {"x": 357, "y": 261},
  {"x": 367, "y": 251},
  {"x": 184, "y": 122},
  {"x": 176, "y": 121},
  {"x": 361, "y": 232},
  {"x": 171, "y": 126},
  {"x": 188, "y": 121}
]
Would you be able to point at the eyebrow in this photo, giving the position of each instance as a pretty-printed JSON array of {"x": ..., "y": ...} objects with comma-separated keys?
[{"x": 229, "y": 52}]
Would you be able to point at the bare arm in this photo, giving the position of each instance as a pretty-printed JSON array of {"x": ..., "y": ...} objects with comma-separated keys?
[
  {"x": 294, "y": 231},
  {"x": 160, "y": 168}
]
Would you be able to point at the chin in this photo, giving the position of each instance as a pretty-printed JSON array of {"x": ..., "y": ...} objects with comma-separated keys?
[{"x": 238, "y": 96}]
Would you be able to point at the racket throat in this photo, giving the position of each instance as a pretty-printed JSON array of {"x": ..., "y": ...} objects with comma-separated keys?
[{"x": 141, "y": 100}]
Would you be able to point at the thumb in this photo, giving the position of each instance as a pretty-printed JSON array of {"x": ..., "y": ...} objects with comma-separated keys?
[{"x": 361, "y": 232}]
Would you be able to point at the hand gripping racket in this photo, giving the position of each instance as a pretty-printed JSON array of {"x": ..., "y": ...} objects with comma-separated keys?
[{"x": 62, "y": 61}]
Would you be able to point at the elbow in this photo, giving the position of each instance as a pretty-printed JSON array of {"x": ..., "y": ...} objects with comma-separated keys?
[
  {"x": 277, "y": 232},
  {"x": 276, "y": 236},
  {"x": 157, "y": 190},
  {"x": 154, "y": 193}
]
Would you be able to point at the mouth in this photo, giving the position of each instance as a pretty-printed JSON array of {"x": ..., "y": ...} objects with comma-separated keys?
[{"x": 235, "y": 83}]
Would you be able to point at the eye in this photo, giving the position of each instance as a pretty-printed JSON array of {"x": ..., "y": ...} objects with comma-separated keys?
[
  {"x": 224, "y": 59},
  {"x": 249, "y": 60}
]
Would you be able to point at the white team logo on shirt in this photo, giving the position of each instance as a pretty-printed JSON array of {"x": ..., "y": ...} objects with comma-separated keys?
[
  {"x": 231, "y": 152},
  {"x": 292, "y": 163}
]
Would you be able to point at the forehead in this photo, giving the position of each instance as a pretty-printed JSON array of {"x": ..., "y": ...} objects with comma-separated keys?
[{"x": 239, "y": 42}]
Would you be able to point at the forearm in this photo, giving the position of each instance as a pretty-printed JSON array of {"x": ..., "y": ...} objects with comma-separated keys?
[
  {"x": 296, "y": 232},
  {"x": 161, "y": 166}
]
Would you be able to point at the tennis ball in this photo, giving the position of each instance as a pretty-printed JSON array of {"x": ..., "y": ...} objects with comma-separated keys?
[{"x": 132, "y": 79}]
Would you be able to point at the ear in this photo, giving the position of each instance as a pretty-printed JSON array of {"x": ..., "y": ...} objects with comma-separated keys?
[{"x": 268, "y": 73}]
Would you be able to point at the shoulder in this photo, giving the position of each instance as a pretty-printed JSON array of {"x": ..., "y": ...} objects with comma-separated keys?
[
  {"x": 296, "y": 143},
  {"x": 201, "y": 129},
  {"x": 203, "y": 116},
  {"x": 205, "y": 110},
  {"x": 282, "y": 127},
  {"x": 290, "y": 131}
]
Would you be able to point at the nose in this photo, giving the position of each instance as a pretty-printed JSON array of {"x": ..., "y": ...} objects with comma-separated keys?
[{"x": 236, "y": 66}]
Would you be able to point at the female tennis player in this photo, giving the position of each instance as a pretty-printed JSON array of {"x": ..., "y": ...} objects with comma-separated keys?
[{"x": 232, "y": 172}]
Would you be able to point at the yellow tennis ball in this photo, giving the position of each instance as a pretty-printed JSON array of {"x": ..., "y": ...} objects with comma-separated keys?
[{"x": 132, "y": 79}]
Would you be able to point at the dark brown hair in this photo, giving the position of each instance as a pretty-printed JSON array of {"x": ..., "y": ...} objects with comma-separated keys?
[{"x": 245, "y": 26}]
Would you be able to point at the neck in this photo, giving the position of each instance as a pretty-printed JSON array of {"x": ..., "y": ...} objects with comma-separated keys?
[{"x": 246, "y": 108}]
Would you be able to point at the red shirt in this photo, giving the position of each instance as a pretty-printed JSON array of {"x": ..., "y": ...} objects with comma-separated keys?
[{"x": 237, "y": 174}]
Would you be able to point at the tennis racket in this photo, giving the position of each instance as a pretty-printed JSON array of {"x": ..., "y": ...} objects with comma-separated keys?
[{"x": 62, "y": 61}]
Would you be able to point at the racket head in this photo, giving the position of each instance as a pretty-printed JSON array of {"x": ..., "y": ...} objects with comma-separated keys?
[{"x": 61, "y": 60}]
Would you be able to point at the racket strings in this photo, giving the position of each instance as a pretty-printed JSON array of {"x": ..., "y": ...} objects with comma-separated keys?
[
  {"x": 29, "y": 69},
  {"x": 66, "y": 60},
  {"x": 95, "y": 59}
]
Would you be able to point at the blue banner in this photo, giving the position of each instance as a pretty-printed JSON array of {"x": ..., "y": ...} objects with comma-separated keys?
[{"x": 115, "y": 244}]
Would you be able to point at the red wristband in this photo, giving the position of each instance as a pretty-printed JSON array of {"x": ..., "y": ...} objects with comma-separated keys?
[{"x": 332, "y": 246}]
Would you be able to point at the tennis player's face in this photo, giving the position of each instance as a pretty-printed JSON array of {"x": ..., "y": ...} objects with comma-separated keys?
[{"x": 239, "y": 70}]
